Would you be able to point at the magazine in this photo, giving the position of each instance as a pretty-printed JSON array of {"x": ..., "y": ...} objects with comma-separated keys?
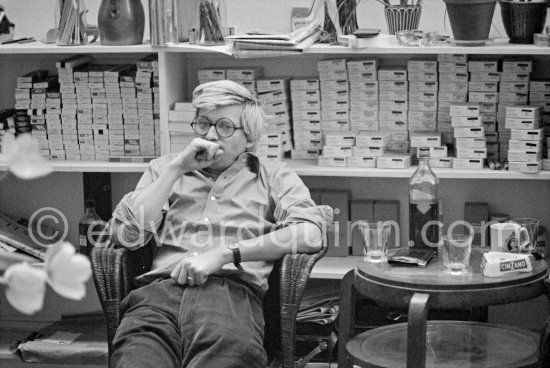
[{"x": 16, "y": 232}]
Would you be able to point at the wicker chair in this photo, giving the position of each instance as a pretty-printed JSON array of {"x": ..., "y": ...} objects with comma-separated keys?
[{"x": 114, "y": 270}]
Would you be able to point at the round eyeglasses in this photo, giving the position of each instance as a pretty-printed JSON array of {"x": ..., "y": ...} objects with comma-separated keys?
[{"x": 224, "y": 127}]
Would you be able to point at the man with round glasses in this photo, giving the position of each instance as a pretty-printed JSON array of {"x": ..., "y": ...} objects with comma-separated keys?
[{"x": 226, "y": 217}]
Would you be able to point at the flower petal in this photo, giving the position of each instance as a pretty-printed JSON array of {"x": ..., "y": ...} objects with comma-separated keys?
[
  {"x": 23, "y": 158},
  {"x": 25, "y": 287},
  {"x": 67, "y": 271}
]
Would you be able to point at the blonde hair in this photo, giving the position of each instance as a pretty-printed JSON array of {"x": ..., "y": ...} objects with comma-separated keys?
[{"x": 211, "y": 95}]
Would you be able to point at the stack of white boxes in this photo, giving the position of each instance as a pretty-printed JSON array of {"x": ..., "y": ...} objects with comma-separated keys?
[
  {"x": 115, "y": 121},
  {"x": 7, "y": 126},
  {"x": 393, "y": 116},
  {"x": 539, "y": 95},
  {"x": 179, "y": 126},
  {"x": 305, "y": 94},
  {"x": 335, "y": 124},
  {"x": 453, "y": 88},
  {"x": 526, "y": 138},
  {"x": 147, "y": 76},
  {"x": 74, "y": 91},
  {"x": 514, "y": 90},
  {"x": 369, "y": 146},
  {"x": 278, "y": 125},
  {"x": 363, "y": 94},
  {"x": 37, "y": 113},
  {"x": 469, "y": 137},
  {"x": 423, "y": 88}
]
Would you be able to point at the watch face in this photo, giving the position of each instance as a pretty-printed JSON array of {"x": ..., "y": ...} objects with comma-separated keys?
[{"x": 234, "y": 246}]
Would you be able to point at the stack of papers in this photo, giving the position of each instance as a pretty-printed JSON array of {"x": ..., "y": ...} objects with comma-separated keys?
[
  {"x": 256, "y": 44},
  {"x": 320, "y": 309}
]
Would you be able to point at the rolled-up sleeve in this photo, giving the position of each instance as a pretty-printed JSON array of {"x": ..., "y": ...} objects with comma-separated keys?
[
  {"x": 131, "y": 231},
  {"x": 293, "y": 203}
]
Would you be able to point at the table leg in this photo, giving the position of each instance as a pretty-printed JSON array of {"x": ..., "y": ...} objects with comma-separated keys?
[
  {"x": 416, "y": 331},
  {"x": 346, "y": 318}
]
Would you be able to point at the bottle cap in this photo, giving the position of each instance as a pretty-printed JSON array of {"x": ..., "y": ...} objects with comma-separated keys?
[{"x": 89, "y": 203}]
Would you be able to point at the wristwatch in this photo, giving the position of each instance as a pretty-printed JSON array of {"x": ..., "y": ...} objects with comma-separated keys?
[{"x": 236, "y": 249}]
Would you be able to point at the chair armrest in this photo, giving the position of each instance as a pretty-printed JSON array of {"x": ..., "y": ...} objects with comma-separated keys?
[
  {"x": 114, "y": 270},
  {"x": 295, "y": 271}
]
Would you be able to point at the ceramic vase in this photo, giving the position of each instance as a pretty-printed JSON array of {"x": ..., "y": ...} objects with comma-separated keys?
[{"x": 121, "y": 22}]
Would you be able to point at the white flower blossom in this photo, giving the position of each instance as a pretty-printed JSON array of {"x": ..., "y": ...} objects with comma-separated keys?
[
  {"x": 25, "y": 287},
  {"x": 22, "y": 156},
  {"x": 65, "y": 271}
]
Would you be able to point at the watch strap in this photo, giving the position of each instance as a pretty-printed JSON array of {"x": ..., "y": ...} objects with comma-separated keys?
[{"x": 235, "y": 248}]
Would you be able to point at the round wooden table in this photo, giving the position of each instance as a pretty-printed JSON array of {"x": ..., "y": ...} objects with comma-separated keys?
[{"x": 419, "y": 289}]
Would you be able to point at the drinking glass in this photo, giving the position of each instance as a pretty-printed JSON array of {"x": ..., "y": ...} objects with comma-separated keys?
[
  {"x": 376, "y": 237},
  {"x": 456, "y": 249},
  {"x": 532, "y": 226}
]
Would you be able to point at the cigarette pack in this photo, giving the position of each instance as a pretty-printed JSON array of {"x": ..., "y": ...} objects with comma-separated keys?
[
  {"x": 335, "y": 85},
  {"x": 340, "y": 138},
  {"x": 372, "y": 139},
  {"x": 360, "y": 96},
  {"x": 393, "y": 85},
  {"x": 335, "y": 115},
  {"x": 343, "y": 125},
  {"x": 529, "y": 124},
  {"x": 393, "y": 124},
  {"x": 306, "y": 105},
  {"x": 363, "y": 86},
  {"x": 441, "y": 162},
  {"x": 425, "y": 139},
  {"x": 360, "y": 66},
  {"x": 368, "y": 162},
  {"x": 331, "y": 64},
  {"x": 423, "y": 86},
  {"x": 422, "y": 66},
  {"x": 422, "y": 76},
  {"x": 471, "y": 152},
  {"x": 467, "y": 163},
  {"x": 546, "y": 164},
  {"x": 470, "y": 143},
  {"x": 304, "y": 84},
  {"x": 515, "y": 77},
  {"x": 270, "y": 85},
  {"x": 332, "y": 161},
  {"x": 450, "y": 67},
  {"x": 392, "y": 74},
  {"x": 477, "y": 86},
  {"x": 329, "y": 105},
  {"x": 525, "y": 167},
  {"x": 465, "y": 121},
  {"x": 394, "y": 161},
  {"x": 522, "y": 145},
  {"x": 466, "y": 132},
  {"x": 304, "y": 154},
  {"x": 422, "y": 126},
  {"x": 329, "y": 75},
  {"x": 363, "y": 76},
  {"x": 524, "y": 155},
  {"x": 362, "y": 151},
  {"x": 244, "y": 74},
  {"x": 489, "y": 66},
  {"x": 305, "y": 95}
]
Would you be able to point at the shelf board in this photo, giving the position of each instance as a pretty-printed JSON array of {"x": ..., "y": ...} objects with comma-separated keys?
[
  {"x": 388, "y": 44},
  {"x": 93, "y": 166},
  {"x": 382, "y": 44},
  {"x": 308, "y": 168},
  {"x": 48, "y": 48}
]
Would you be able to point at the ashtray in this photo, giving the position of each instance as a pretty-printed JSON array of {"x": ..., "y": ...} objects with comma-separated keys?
[{"x": 416, "y": 37}]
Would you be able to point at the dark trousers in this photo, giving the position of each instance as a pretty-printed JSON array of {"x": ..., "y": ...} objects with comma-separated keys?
[{"x": 219, "y": 324}]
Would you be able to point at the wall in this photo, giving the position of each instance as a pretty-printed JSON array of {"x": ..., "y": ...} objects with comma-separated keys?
[{"x": 267, "y": 15}]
